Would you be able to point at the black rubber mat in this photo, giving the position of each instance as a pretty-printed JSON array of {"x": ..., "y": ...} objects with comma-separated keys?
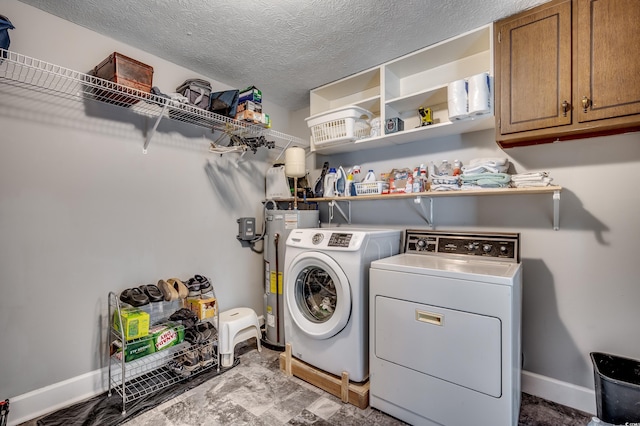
[{"x": 107, "y": 410}]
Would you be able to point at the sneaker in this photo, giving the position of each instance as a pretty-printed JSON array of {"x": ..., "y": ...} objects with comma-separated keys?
[
  {"x": 206, "y": 355},
  {"x": 190, "y": 360},
  {"x": 194, "y": 287},
  {"x": 178, "y": 369},
  {"x": 205, "y": 284}
]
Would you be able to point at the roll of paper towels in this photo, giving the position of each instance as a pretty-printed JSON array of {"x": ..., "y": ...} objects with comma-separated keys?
[
  {"x": 294, "y": 162},
  {"x": 479, "y": 94},
  {"x": 457, "y": 100}
]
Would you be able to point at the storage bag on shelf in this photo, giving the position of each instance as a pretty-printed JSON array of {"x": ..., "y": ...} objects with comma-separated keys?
[
  {"x": 5, "y": 26},
  {"x": 197, "y": 91},
  {"x": 224, "y": 103}
]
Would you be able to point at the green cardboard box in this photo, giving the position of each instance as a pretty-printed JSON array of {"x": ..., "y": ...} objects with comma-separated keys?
[
  {"x": 134, "y": 350},
  {"x": 135, "y": 323},
  {"x": 164, "y": 336}
]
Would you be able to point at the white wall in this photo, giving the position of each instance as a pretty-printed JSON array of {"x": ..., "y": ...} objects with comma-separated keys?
[{"x": 84, "y": 212}]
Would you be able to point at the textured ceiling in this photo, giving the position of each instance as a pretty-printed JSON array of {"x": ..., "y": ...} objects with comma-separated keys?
[{"x": 283, "y": 47}]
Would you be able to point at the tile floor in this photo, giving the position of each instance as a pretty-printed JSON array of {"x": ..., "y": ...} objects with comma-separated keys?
[{"x": 257, "y": 393}]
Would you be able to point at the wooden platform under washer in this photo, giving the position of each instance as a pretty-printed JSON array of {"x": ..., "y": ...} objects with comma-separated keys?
[{"x": 349, "y": 392}]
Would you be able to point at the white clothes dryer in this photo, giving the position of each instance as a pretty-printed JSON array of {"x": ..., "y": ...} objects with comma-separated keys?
[
  {"x": 445, "y": 329},
  {"x": 327, "y": 295}
]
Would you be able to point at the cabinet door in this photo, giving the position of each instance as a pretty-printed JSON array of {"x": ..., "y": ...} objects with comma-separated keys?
[
  {"x": 535, "y": 69},
  {"x": 608, "y": 64}
]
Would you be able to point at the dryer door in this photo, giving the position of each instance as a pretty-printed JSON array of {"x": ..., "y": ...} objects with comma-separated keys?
[{"x": 318, "y": 295}]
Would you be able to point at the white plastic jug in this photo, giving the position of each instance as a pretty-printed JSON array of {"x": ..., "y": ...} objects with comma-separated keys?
[
  {"x": 330, "y": 183},
  {"x": 370, "y": 177}
]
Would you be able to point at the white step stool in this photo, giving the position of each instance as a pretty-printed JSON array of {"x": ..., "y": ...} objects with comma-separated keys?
[{"x": 237, "y": 325}]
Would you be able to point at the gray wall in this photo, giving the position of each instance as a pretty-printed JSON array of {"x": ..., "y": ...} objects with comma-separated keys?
[{"x": 84, "y": 212}]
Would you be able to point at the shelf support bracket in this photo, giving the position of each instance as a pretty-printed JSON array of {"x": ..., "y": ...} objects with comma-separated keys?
[
  {"x": 153, "y": 130},
  {"x": 426, "y": 215},
  {"x": 556, "y": 210},
  {"x": 334, "y": 203}
]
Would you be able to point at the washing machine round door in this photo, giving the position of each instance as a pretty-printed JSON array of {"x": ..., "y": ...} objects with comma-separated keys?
[{"x": 318, "y": 295}]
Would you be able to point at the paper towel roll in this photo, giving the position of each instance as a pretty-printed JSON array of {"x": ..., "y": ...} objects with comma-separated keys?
[
  {"x": 294, "y": 162},
  {"x": 457, "y": 100},
  {"x": 479, "y": 94}
]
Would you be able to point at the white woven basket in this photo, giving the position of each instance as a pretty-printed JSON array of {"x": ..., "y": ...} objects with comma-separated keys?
[
  {"x": 342, "y": 125},
  {"x": 370, "y": 188}
]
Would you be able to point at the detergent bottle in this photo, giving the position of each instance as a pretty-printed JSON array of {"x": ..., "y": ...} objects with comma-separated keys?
[
  {"x": 330, "y": 183},
  {"x": 351, "y": 188},
  {"x": 370, "y": 177}
]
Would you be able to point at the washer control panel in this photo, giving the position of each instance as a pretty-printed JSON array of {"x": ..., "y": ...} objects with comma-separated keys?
[
  {"x": 339, "y": 240},
  {"x": 501, "y": 246}
]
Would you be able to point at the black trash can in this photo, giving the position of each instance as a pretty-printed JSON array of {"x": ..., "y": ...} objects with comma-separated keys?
[{"x": 617, "y": 382}]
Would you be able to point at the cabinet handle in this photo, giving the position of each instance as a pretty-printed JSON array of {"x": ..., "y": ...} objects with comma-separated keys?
[
  {"x": 586, "y": 103},
  {"x": 565, "y": 108}
]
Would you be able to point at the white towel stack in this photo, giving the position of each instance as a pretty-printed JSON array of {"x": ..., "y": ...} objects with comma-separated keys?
[
  {"x": 531, "y": 179},
  {"x": 486, "y": 165},
  {"x": 444, "y": 182},
  {"x": 486, "y": 172}
]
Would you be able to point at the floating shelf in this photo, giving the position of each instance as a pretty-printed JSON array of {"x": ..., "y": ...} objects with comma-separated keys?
[{"x": 419, "y": 197}]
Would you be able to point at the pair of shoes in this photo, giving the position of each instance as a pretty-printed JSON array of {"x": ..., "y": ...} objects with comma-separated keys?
[
  {"x": 201, "y": 332},
  {"x": 134, "y": 297},
  {"x": 187, "y": 316},
  {"x": 173, "y": 289},
  {"x": 199, "y": 285},
  {"x": 178, "y": 368},
  {"x": 153, "y": 292}
]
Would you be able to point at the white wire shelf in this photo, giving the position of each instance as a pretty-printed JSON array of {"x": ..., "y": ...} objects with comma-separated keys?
[{"x": 35, "y": 74}]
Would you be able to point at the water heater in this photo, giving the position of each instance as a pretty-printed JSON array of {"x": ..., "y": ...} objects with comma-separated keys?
[{"x": 279, "y": 224}]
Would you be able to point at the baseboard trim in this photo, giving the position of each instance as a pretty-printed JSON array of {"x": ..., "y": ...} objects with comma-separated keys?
[
  {"x": 50, "y": 398},
  {"x": 564, "y": 393}
]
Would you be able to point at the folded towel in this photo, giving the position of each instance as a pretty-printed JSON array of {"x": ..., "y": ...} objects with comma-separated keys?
[
  {"x": 486, "y": 177},
  {"x": 444, "y": 187},
  {"x": 490, "y": 161},
  {"x": 484, "y": 168},
  {"x": 444, "y": 179},
  {"x": 526, "y": 184},
  {"x": 531, "y": 176}
]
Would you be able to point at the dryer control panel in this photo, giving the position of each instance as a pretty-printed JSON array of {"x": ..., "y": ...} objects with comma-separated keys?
[{"x": 499, "y": 246}]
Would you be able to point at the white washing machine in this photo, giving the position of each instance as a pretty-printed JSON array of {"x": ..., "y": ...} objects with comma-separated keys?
[
  {"x": 445, "y": 330},
  {"x": 327, "y": 296}
]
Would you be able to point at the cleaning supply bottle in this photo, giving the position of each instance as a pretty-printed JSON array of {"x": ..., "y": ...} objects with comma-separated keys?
[
  {"x": 330, "y": 183},
  {"x": 424, "y": 178},
  {"x": 350, "y": 190},
  {"x": 357, "y": 176},
  {"x": 370, "y": 177},
  {"x": 444, "y": 169},
  {"x": 456, "y": 167}
]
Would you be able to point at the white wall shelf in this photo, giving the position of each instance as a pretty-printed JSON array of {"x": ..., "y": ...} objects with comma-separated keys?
[
  {"x": 427, "y": 211},
  {"x": 399, "y": 87},
  {"x": 22, "y": 71}
]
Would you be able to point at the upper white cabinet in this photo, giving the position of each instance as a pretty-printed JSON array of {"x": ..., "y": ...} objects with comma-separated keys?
[{"x": 400, "y": 87}]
